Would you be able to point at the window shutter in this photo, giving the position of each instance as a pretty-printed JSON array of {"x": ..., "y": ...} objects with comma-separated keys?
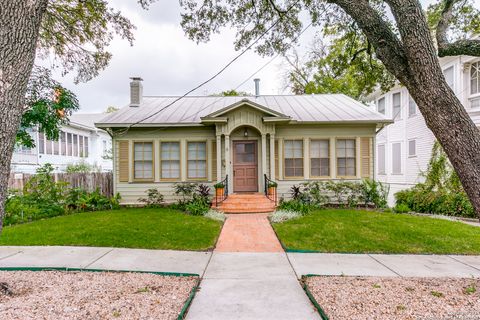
[
  {"x": 214, "y": 160},
  {"x": 276, "y": 161},
  {"x": 123, "y": 154},
  {"x": 365, "y": 154}
]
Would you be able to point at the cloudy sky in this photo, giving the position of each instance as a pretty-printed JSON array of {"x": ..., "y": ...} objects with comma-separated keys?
[{"x": 171, "y": 64}]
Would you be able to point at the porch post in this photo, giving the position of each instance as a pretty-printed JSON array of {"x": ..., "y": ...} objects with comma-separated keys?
[
  {"x": 272, "y": 156},
  {"x": 227, "y": 163},
  {"x": 264, "y": 155},
  {"x": 219, "y": 158}
]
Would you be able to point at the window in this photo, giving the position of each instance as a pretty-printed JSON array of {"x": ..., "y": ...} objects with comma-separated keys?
[
  {"x": 346, "y": 163},
  {"x": 381, "y": 159},
  {"x": 412, "y": 107},
  {"x": 197, "y": 160},
  {"x": 170, "y": 159},
  {"x": 63, "y": 143},
  {"x": 56, "y": 147},
  {"x": 294, "y": 158},
  {"x": 104, "y": 143},
  {"x": 86, "y": 147},
  {"x": 41, "y": 143},
  {"x": 475, "y": 78},
  {"x": 397, "y": 106},
  {"x": 412, "y": 148},
  {"x": 449, "y": 77},
  {"x": 75, "y": 145},
  {"x": 69, "y": 144},
  {"x": 396, "y": 158},
  {"x": 320, "y": 158},
  {"x": 381, "y": 105},
  {"x": 143, "y": 160},
  {"x": 80, "y": 140},
  {"x": 48, "y": 147}
]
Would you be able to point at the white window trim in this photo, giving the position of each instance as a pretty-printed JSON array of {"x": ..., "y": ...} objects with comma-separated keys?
[
  {"x": 470, "y": 95},
  {"x": 384, "y": 97},
  {"x": 400, "y": 113},
  {"x": 401, "y": 162},
  {"x": 384, "y": 172},
  {"x": 416, "y": 107}
]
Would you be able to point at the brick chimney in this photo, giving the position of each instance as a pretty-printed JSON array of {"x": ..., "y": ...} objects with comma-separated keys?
[{"x": 136, "y": 91}]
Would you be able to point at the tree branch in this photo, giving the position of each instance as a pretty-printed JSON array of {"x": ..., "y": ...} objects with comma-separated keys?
[
  {"x": 280, "y": 12},
  {"x": 459, "y": 47}
]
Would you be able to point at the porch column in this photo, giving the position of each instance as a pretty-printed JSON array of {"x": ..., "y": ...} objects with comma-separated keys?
[
  {"x": 219, "y": 158},
  {"x": 227, "y": 163},
  {"x": 272, "y": 156},
  {"x": 264, "y": 154}
]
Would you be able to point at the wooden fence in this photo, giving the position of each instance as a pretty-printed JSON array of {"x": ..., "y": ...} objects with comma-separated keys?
[{"x": 88, "y": 181}]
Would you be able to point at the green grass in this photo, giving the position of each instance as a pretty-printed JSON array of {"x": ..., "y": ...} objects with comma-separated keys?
[
  {"x": 126, "y": 228},
  {"x": 360, "y": 231}
]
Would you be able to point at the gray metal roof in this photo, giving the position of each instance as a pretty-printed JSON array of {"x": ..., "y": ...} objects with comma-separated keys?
[
  {"x": 86, "y": 120},
  {"x": 323, "y": 108}
]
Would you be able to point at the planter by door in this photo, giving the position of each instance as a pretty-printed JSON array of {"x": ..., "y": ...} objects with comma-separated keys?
[{"x": 245, "y": 168}]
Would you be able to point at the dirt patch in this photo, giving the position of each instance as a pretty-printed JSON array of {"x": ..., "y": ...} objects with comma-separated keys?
[
  {"x": 92, "y": 295},
  {"x": 397, "y": 298}
]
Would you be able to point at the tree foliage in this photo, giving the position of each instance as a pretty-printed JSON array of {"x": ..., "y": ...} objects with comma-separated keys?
[
  {"x": 78, "y": 32},
  {"x": 47, "y": 106}
]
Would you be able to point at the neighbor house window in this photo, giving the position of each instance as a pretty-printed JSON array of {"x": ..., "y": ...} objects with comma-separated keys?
[
  {"x": 143, "y": 160},
  {"x": 75, "y": 145},
  {"x": 170, "y": 160},
  {"x": 41, "y": 142},
  {"x": 63, "y": 143},
  {"x": 475, "y": 78},
  {"x": 197, "y": 160},
  {"x": 80, "y": 140},
  {"x": 48, "y": 147},
  {"x": 69, "y": 144},
  {"x": 346, "y": 163},
  {"x": 293, "y": 158},
  {"x": 397, "y": 106},
  {"x": 381, "y": 159},
  {"x": 56, "y": 147},
  {"x": 86, "y": 147},
  {"x": 397, "y": 158},
  {"x": 412, "y": 148},
  {"x": 449, "y": 77},
  {"x": 381, "y": 105},
  {"x": 412, "y": 107},
  {"x": 320, "y": 158}
]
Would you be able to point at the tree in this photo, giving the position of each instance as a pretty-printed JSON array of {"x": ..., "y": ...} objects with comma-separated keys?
[
  {"x": 77, "y": 34},
  {"x": 403, "y": 44},
  {"x": 346, "y": 63},
  {"x": 231, "y": 93},
  {"x": 111, "y": 109}
]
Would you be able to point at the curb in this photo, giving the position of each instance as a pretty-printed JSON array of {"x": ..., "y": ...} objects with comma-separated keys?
[
  {"x": 310, "y": 296},
  {"x": 183, "y": 311}
]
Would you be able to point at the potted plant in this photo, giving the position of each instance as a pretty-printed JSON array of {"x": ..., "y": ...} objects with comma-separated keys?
[
  {"x": 272, "y": 188},
  {"x": 219, "y": 189}
]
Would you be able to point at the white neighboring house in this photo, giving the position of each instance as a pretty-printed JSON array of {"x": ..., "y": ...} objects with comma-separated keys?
[
  {"x": 404, "y": 147},
  {"x": 80, "y": 141}
]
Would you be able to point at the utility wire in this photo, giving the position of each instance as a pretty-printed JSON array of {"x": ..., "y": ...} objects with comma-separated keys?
[{"x": 216, "y": 74}]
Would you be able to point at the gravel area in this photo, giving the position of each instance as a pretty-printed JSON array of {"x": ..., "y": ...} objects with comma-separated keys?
[
  {"x": 91, "y": 295},
  {"x": 397, "y": 298}
]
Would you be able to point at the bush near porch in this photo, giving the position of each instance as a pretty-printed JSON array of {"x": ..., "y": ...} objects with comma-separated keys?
[
  {"x": 156, "y": 228},
  {"x": 361, "y": 231}
]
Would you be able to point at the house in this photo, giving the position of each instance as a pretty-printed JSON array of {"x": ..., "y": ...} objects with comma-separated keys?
[
  {"x": 404, "y": 147},
  {"x": 80, "y": 142},
  {"x": 158, "y": 141}
]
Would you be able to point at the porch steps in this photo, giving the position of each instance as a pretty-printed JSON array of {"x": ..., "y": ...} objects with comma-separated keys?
[{"x": 246, "y": 203}]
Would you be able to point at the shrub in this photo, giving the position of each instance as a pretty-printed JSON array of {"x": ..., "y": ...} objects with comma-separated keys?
[
  {"x": 81, "y": 167},
  {"x": 215, "y": 215},
  {"x": 402, "y": 208},
  {"x": 195, "y": 198},
  {"x": 154, "y": 199},
  {"x": 197, "y": 207},
  {"x": 295, "y": 205},
  {"x": 284, "y": 215}
]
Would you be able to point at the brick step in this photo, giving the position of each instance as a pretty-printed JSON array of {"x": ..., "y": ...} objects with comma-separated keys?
[
  {"x": 248, "y": 210},
  {"x": 246, "y": 203}
]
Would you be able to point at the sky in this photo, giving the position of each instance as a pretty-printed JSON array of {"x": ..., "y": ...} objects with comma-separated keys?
[{"x": 171, "y": 64}]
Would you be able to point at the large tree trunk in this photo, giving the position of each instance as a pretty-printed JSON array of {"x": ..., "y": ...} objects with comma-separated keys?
[
  {"x": 414, "y": 62},
  {"x": 19, "y": 28}
]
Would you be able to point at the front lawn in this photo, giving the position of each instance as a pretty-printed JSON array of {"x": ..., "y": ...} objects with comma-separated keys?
[
  {"x": 125, "y": 228},
  {"x": 360, "y": 231}
]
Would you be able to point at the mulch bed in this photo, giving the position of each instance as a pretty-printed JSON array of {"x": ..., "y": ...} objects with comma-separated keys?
[
  {"x": 91, "y": 295},
  {"x": 396, "y": 298}
]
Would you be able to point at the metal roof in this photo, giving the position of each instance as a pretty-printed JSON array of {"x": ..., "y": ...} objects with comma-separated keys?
[
  {"x": 85, "y": 120},
  {"x": 322, "y": 108}
]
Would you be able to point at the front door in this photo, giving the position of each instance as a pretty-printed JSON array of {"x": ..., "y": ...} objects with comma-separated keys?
[{"x": 245, "y": 173}]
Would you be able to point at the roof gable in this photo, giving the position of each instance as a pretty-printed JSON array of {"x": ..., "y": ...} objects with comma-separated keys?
[{"x": 246, "y": 102}]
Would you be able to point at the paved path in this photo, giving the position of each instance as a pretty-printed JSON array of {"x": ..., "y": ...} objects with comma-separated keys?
[{"x": 248, "y": 233}]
